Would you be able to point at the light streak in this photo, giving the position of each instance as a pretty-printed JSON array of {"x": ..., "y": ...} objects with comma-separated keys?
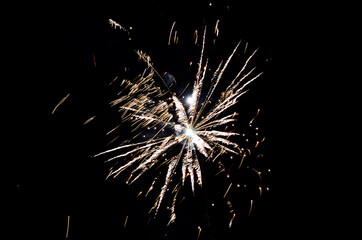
[
  {"x": 252, "y": 120},
  {"x": 139, "y": 194},
  {"x": 60, "y": 103},
  {"x": 67, "y": 233},
  {"x": 198, "y": 234},
  {"x": 125, "y": 222},
  {"x": 251, "y": 206},
  {"x": 260, "y": 191},
  {"x": 88, "y": 120},
  {"x": 196, "y": 36},
  {"x": 114, "y": 24},
  {"x": 228, "y": 190},
  {"x": 231, "y": 220},
  {"x": 216, "y": 31},
  {"x": 114, "y": 79},
  {"x": 169, "y": 38},
  {"x": 242, "y": 160}
]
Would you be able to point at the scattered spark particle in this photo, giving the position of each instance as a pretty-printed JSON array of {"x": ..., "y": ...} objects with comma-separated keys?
[
  {"x": 251, "y": 206},
  {"x": 129, "y": 178},
  {"x": 175, "y": 38},
  {"x": 114, "y": 79},
  {"x": 88, "y": 120},
  {"x": 242, "y": 160},
  {"x": 216, "y": 31},
  {"x": 246, "y": 47},
  {"x": 169, "y": 38},
  {"x": 227, "y": 190},
  {"x": 183, "y": 199},
  {"x": 67, "y": 233},
  {"x": 125, "y": 222},
  {"x": 61, "y": 102},
  {"x": 114, "y": 24},
  {"x": 231, "y": 220},
  {"x": 257, "y": 113},
  {"x": 231, "y": 209},
  {"x": 94, "y": 60},
  {"x": 196, "y": 36},
  {"x": 222, "y": 170},
  {"x": 139, "y": 194}
]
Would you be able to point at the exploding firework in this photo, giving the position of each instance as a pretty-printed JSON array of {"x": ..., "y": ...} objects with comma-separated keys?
[{"x": 190, "y": 129}]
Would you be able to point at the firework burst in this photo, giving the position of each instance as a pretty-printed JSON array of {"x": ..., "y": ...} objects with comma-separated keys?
[{"x": 188, "y": 131}]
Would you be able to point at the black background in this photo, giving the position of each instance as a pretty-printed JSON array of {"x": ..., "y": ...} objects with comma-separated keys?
[{"x": 49, "y": 53}]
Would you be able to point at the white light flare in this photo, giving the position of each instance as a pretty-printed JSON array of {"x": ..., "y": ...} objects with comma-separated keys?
[
  {"x": 189, "y": 100},
  {"x": 189, "y": 132}
]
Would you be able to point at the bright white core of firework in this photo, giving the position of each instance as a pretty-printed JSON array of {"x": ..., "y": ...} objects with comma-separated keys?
[
  {"x": 189, "y": 100},
  {"x": 189, "y": 132}
]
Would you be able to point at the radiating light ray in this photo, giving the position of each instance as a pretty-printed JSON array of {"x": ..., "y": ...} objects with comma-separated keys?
[{"x": 170, "y": 171}]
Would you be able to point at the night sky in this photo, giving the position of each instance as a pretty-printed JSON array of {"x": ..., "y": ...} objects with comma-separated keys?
[{"x": 59, "y": 50}]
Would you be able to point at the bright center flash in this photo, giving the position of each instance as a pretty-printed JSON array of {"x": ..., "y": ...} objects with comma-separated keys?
[
  {"x": 189, "y": 100},
  {"x": 189, "y": 132}
]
